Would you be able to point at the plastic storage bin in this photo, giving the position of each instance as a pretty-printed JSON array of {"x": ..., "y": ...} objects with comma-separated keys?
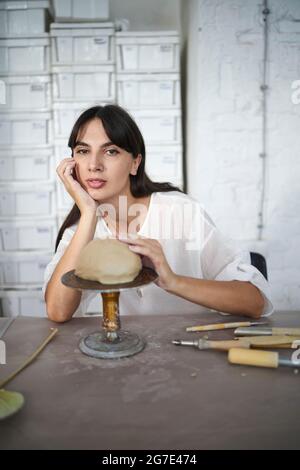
[
  {"x": 34, "y": 164},
  {"x": 25, "y": 129},
  {"x": 27, "y": 200},
  {"x": 82, "y": 43},
  {"x": 164, "y": 163},
  {"x": 27, "y": 93},
  {"x": 25, "y": 55},
  {"x": 27, "y": 302},
  {"x": 61, "y": 217},
  {"x": 24, "y": 17},
  {"x": 95, "y": 306},
  {"x": 163, "y": 126},
  {"x": 148, "y": 51},
  {"x": 65, "y": 114},
  {"x": 71, "y": 10},
  {"x": 84, "y": 83},
  {"x": 23, "y": 268},
  {"x": 64, "y": 200},
  {"x": 28, "y": 235},
  {"x": 61, "y": 150},
  {"x": 149, "y": 90}
]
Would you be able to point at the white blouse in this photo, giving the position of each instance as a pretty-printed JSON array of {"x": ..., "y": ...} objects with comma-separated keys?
[{"x": 193, "y": 247}]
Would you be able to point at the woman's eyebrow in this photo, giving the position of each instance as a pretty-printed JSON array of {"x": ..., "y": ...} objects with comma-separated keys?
[
  {"x": 107, "y": 144},
  {"x": 84, "y": 144}
]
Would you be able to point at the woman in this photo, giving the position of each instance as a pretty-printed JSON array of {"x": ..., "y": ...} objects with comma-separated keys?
[{"x": 198, "y": 269}]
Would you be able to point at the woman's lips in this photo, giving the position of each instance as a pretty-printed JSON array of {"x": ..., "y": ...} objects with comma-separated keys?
[{"x": 95, "y": 184}]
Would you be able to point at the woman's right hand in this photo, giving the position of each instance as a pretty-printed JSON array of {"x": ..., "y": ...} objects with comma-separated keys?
[{"x": 81, "y": 197}]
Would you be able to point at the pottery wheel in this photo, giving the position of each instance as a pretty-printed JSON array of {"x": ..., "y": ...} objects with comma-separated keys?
[{"x": 110, "y": 342}]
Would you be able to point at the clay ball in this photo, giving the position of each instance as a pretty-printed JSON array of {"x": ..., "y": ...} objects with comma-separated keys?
[{"x": 108, "y": 261}]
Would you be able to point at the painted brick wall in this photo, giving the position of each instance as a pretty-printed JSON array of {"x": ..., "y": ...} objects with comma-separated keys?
[{"x": 224, "y": 128}]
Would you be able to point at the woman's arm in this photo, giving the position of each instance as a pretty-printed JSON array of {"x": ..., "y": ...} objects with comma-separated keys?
[
  {"x": 235, "y": 297},
  {"x": 62, "y": 301}
]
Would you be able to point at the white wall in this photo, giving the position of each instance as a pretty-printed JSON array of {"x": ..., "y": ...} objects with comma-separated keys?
[{"x": 224, "y": 128}]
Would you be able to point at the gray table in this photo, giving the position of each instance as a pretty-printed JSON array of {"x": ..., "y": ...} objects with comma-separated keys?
[{"x": 166, "y": 397}]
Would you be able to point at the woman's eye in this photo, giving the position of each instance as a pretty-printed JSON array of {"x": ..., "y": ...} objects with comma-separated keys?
[
  {"x": 112, "y": 152},
  {"x": 82, "y": 151}
]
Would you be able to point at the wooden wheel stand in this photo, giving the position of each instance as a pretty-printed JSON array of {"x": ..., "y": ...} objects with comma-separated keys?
[{"x": 111, "y": 342}]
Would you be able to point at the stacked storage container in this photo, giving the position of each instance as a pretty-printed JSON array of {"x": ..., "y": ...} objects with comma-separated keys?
[
  {"x": 56, "y": 77},
  {"x": 148, "y": 86},
  {"x": 83, "y": 73},
  {"x": 27, "y": 209}
]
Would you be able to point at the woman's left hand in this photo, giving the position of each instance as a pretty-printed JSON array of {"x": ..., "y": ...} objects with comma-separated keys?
[{"x": 153, "y": 256}]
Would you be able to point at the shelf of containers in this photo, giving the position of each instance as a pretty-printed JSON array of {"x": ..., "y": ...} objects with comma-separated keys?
[
  {"x": 83, "y": 72},
  {"x": 148, "y": 86},
  {"x": 27, "y": 201}
]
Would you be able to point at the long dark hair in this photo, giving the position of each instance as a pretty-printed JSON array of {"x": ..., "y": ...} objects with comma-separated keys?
[{"x": 123, "y": 132}]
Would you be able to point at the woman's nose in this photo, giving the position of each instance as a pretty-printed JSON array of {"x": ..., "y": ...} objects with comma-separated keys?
[{"x": 95, "y": 162}]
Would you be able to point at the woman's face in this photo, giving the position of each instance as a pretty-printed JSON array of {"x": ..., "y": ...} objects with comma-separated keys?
[{"x": 102, "y": 168}]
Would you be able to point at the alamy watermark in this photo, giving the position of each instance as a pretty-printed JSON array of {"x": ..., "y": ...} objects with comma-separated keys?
[
  {"x": 2, "y": 352},
  {"x": 296, "y": 357},
  {"x": 186, "y": 221}
]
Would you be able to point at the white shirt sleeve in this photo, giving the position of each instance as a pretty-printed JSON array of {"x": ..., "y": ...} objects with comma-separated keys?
[
  {"x": 64, "y": 242},
  {"x": 223, "y": 260}
]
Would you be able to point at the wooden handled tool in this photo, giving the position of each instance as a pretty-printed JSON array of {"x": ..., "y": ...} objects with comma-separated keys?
[
  {"x": 245, "y": 343},
  {"x": 257, "y": 331},
  {"x": 220, "y": 345},
  {"x": 272, "y": 341},
  {"x": 259, "y": 358},
  {"x": 223, "y": 326}
]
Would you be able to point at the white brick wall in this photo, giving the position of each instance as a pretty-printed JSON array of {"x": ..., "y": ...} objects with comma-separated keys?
[{"x": 224, "y": 122}]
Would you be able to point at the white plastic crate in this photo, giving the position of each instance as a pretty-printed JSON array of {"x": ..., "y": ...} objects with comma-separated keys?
[
  {"x": 95, "y": 306},
  {"x": 61, "y": 150},
  {"x": 23, "y": 268},
  {"x": 148, "y": 51},
  {"x": 28, "y": 235},
  {"x": 149, "y": 90},
  {"x": 82, "y": 43},
  {"x": 26, "y": 164},
  {"x": 25, "y": 55},
  {"x": 61, "y": 217},
  {"x": 64, "y": 200},
  {"x": 27, "y": 129},
  {"x": 161, "y": 126},
  {"x": 81, "y": 10},
  {"x": 65, "y": 114},
  {"x": 164, "y": 163},
  {"x": 24, "y": 17},
  {"x": 31, "y": 92},
  {"x": 84, "y": 83},
  {"x": 25, "y": 302},
  {"x": 27, "y": 200}
]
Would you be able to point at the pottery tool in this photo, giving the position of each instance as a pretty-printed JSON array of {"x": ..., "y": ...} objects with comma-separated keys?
[
  {"x": 223, "y": 326},
  {"x": 31, "y": 358},
  {"x": 203, "y": 343},
  {"x": 257, "y": 331},
  {"x": 245, "y": 342},
  {"x": 259, "y": 358}
]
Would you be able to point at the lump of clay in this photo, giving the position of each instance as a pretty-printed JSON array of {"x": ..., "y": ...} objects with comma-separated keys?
[{"x": 108, "y": 261}]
